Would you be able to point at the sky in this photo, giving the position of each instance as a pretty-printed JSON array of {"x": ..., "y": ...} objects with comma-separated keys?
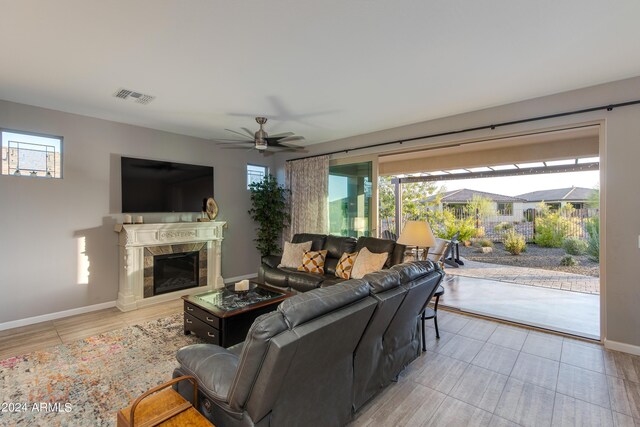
[{"x": 514, "y": 185}]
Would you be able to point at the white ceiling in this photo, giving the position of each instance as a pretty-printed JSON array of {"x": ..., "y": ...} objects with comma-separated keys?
[{"x": 324, "y": 69}]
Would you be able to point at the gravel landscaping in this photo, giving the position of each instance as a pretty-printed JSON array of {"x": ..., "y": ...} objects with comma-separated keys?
[{"x": 534, "y": 257}]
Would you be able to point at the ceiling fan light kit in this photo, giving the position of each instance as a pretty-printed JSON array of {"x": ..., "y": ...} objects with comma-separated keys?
[{"x": 261, "y": 135}]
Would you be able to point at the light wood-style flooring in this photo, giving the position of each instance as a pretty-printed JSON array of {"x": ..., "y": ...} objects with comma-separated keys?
[
  {"x": 17, "y": 341},
  {"x": 480, "y": 373}
]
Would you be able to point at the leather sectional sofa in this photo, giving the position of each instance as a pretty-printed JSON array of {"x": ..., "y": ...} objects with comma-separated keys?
[
  {"x": 335, "y": 246},
  {"x": 319, "y": 357}
]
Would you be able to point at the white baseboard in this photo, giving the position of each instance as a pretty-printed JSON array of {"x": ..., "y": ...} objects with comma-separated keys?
[
  {"x": 57, "y": 315},
  {"x": 620, "y": 346},
  {"x": 238, "y": 278}
]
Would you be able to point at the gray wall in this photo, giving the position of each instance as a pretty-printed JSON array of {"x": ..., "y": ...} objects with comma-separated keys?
[
  {"x": 44, "y": 219},
  {"x": 619, "y": 179}
]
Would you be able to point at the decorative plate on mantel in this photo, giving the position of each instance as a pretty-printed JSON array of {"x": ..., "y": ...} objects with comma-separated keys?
[{"x": 212, "y": 208}]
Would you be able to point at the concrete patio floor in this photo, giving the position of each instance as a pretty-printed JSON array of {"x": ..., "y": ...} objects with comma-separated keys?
[
  {"x": 528, "y": 276},
  {"x": 558, "y": 310}
]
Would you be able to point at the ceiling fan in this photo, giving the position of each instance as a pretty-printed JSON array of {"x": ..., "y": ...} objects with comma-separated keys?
[{"x": 262, "y": 141}]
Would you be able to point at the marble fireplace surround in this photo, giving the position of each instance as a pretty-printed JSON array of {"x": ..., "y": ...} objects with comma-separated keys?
[{"x": 135, "y": 238}]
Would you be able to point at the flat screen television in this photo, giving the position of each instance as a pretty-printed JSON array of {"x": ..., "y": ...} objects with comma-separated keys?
[{"x": 155, "y": 186}]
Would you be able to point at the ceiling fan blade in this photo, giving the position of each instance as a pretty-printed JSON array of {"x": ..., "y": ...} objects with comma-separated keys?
[
  {"x": 282, "y": 135},
  {"x": 282, "y": 148},
  {"x": 288, "y": 143},
  {"x": 238, "y": 133},
  {"x": 292, "y": 138},
  {"x": 251, "y": 134}
]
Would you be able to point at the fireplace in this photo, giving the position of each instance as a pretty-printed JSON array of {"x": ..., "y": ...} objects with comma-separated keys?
[
  {"x": 140, "y": 244},
  {"x": 174, "y": 272},
  {"x": 173, "y": 268}
]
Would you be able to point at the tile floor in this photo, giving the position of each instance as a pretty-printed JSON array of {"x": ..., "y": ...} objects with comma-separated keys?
[{"x": 485, "y": 373}]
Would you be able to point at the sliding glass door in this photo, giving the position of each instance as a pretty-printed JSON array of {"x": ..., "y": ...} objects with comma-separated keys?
[{"x": 350, "y": 199}]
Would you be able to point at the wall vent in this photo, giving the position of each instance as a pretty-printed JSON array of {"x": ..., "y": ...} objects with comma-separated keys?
[{"x": 138, "y": 97}]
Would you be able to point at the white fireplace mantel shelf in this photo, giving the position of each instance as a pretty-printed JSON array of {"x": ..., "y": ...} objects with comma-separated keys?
[{"x": 135, "y": 237}]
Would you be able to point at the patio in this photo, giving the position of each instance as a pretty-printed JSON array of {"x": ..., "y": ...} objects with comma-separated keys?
[
  {"x": 548, "y": 299},
  {"x": 528, "y": 276}
]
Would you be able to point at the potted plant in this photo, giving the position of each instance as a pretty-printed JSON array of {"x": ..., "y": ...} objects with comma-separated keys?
[{"x": 269, "y": 209}]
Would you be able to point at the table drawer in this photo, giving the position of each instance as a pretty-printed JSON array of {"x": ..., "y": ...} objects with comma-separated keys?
[
  {"x": 201, "y": 329},
  {"x": 199, "y": 313}
]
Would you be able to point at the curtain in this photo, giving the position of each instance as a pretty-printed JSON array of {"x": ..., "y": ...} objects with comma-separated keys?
[{"x": 308, "y": 180}]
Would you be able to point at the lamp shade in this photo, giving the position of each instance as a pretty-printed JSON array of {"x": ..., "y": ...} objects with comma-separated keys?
[{"x": 417, "y": 233}]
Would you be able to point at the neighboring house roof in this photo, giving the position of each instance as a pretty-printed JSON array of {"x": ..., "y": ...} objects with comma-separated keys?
[
  {"x": 465, "y": 195},
  {"x": 575, "y": 194}
]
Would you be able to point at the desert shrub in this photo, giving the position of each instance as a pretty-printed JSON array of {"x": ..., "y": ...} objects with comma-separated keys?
[
  {"x": 485, "y": 243},
  {"x": 503, "y": 226},
  {"x": 551, "y": 230},
  {"x": 480, "y": 233},
  {"x": 514, "y": 242},
  {"x": 593, "y": 239},
  {"x": 445, "y": 224},
  {"x": 575, "y": 246},
  {"x": 568, "y": 261}
]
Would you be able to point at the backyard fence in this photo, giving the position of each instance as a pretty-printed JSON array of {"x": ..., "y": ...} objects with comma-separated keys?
[{"x": 569, "y": 222}]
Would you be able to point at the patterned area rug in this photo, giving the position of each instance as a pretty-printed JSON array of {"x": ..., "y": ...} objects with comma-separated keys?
[{"x": 85, "y": 383}]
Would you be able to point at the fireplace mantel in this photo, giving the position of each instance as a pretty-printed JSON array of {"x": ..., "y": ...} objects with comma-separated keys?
[{"x": 135, "y": 237}]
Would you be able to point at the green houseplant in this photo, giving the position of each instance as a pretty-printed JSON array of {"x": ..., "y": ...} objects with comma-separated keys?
[{"x": 270, "y": 210}]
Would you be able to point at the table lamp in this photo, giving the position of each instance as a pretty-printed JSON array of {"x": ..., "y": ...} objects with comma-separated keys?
[{"x": 418, "y": 234}]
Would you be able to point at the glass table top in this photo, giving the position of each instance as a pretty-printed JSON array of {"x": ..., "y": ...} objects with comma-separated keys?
[{"x": 226, "y": 299}]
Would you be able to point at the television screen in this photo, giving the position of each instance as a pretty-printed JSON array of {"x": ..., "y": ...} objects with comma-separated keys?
[{"x": 155, "y": 186}]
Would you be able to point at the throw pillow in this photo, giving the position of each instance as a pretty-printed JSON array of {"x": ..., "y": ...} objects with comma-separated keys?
[
  {"x": 313, "y": 262},
  {"x": 367, "y": 262},
  {"x": 292, "y": 254},
  {"x": 345, "y": 265},
  {"x": 437, "y": 252}
]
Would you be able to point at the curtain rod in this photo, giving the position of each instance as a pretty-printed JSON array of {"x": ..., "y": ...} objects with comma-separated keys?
[{"x": 608, "y": 107}]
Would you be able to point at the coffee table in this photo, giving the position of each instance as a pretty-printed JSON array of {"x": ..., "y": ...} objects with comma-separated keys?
[{"x": 223, "y": 317}]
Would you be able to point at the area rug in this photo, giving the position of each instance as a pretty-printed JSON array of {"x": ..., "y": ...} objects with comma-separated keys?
[{"x": 85, "y": 383}]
